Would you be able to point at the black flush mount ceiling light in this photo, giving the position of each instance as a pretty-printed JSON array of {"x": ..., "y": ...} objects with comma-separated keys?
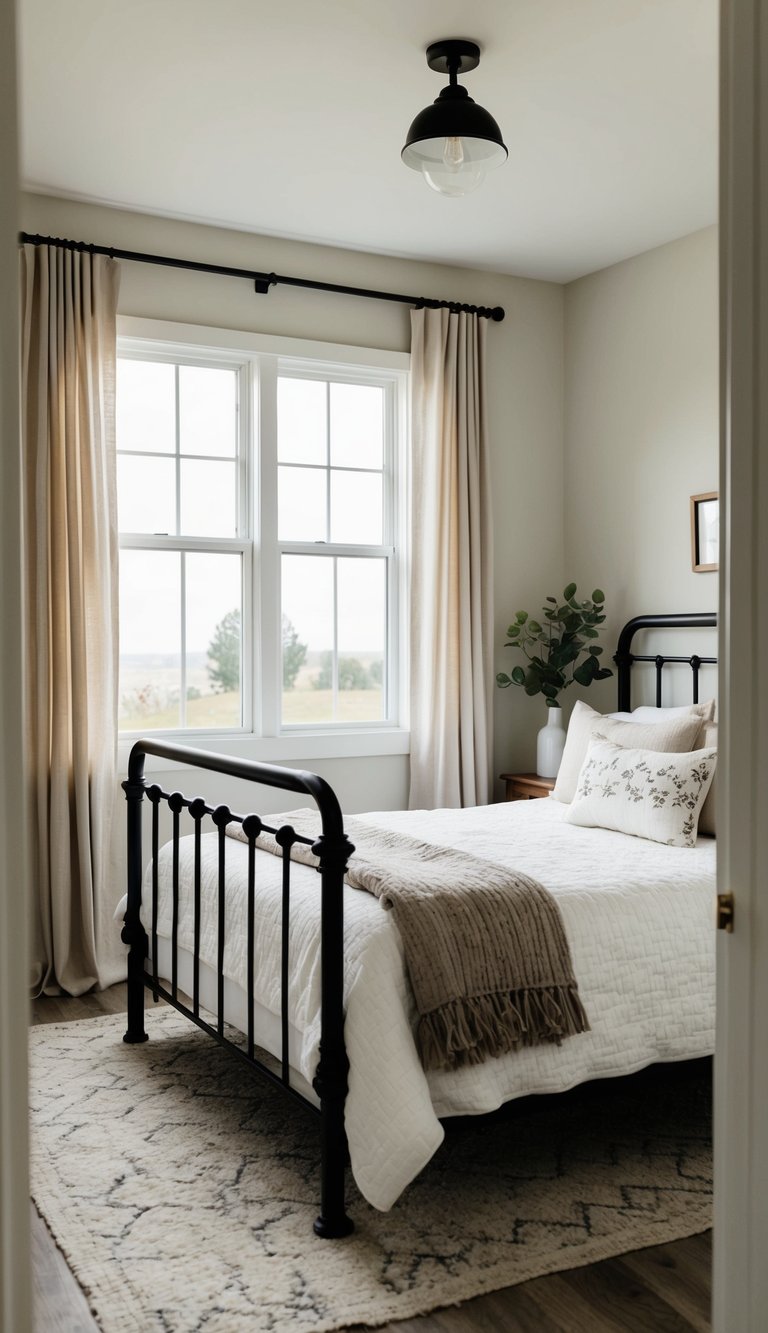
[{"x": 454, "y": 141}]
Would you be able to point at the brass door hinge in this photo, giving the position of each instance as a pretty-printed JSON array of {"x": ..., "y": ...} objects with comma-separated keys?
[{"x": 725, "y": 912}]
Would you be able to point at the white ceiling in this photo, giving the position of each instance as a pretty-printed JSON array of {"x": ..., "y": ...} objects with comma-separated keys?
[{"x": 288, "y": 118}]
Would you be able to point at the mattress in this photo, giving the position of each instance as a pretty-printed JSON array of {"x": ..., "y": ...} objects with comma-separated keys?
[{"x": 638, "y": 917}]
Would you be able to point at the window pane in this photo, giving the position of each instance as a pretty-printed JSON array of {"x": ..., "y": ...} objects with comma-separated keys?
[
  {"x": 307, "y": 633},
  {"x": 301, "y": 421},
  {"x": 208, "y": 498},
  {"x": 213, "y": 624},
  {"x": 150, "y": 640},
  {"x": 146, "y": 494},
  {"x": 208, "y": 411},
  {"x": 357, "y": 425},
  {"x": 145, "y": 406},
  {"x": 301, "y": 503},
  {"x": 362, "y": 637},
  {"x": 356, "y": 507}
]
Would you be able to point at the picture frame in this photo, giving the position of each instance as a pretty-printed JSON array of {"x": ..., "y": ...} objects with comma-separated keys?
[{"x": 705, "y": 532}]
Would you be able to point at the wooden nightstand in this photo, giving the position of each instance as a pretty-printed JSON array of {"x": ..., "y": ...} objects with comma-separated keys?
[{"x": 526, "y": 786}]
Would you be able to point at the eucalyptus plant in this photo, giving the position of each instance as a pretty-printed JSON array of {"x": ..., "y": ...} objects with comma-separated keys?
[{"x": 561, "y": 650}]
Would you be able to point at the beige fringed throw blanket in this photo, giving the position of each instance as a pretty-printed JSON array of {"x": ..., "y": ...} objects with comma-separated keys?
[{"x": 485, "y": 948}]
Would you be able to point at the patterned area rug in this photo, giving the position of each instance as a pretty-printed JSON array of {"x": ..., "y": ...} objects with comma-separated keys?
[{"x": 182, "y": 1191}]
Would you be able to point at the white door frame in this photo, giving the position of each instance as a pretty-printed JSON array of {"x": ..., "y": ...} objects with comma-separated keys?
[
  {"x": 740, "y": 1301},
  {"x": 14, "y": 896}
]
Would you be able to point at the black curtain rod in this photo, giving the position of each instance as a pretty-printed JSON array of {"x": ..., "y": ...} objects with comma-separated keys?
[{"x": 263, "y": 281}]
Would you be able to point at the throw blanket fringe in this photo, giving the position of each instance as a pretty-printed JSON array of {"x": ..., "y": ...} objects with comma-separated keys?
[
  {"x": 474, "y": 1028},
  {"x": 485, "y": 948}
]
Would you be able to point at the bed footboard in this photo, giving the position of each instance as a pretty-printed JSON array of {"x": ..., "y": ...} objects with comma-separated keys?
[{"x": 333, "y": 850}]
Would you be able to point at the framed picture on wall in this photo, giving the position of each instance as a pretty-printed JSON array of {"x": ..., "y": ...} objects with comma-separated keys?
[{"x": 705, "y": 531}]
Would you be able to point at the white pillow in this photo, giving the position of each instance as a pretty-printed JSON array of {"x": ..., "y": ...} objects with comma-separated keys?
[
  {"x": 648, "y": 793},
  {"x": 646, "y": 713},
  {"x": 677, "y": 734}
]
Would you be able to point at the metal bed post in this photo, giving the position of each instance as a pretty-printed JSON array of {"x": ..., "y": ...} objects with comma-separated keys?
[
  {"x": 330, "y": 1081},
  {"x": 133, "y": 933}
]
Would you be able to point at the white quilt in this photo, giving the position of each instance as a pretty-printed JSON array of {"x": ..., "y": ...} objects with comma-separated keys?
[{"x": 638, "y": 917}]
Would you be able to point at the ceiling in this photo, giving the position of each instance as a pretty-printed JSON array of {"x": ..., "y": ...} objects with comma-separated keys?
[{"x": 288, "y": 118}]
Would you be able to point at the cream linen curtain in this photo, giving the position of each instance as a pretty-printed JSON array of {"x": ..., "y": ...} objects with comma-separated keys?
[
  {"x": 451, "y": 575},
  {"x": 69, "y": 302}
]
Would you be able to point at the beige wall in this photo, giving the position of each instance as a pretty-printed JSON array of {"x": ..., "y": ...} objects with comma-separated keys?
[
  {"x": 641, "y": 428},
  {"x": 525, "y": 376}
]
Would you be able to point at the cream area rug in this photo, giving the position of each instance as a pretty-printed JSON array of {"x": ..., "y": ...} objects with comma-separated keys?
[{"x": 182, "y": 1190}]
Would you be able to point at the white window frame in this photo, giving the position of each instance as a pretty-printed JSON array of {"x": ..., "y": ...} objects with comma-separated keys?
[{"x": 258, "y": 359}]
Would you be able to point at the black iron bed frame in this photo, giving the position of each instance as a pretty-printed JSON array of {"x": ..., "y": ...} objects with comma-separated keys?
[{"x": 332, "y": 849}]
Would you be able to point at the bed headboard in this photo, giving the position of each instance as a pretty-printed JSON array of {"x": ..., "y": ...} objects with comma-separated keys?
[{"x": 625, "y": 658}]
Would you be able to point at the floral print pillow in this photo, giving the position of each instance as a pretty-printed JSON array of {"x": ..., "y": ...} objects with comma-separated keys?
[{"x": 642, "y": 792}]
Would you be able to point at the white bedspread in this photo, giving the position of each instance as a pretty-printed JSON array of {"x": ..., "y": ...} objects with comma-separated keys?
[{"x": 638, "y": 917}]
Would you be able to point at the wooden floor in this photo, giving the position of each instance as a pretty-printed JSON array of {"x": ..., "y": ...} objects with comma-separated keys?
[{"x": 661, "y": 1290}]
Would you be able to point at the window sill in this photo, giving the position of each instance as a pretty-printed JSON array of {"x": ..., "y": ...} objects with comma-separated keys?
[{"x": 287, "y": 749}]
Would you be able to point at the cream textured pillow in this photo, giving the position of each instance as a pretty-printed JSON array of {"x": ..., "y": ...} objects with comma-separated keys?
[
  {"x": 676, "y": 735},
  {"x": 707, "y": 816},
  {"x": 646, "y": 713},
  {"x": 648, "y": 793}
]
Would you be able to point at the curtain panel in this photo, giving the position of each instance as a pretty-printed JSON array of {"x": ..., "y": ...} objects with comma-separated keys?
[
  {"x": 68, "y": 308},
  {"x": 451, "y": 638}
]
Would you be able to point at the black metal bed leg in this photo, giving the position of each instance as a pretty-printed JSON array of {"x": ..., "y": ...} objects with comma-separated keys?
[
  {"x": 137, "y": 952},
  {"x": 330, "y": 1083},
  {"x": 332, "y": 1222},
  {"x": 133, "y": 933}
]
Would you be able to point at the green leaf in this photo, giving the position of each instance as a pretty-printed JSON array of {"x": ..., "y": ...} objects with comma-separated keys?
[
  {"x": 586, "y": 673},
  {"x": 521, "y": 617},
  {"x": 534, "y": 627},
  {"x": 552, "y": 599},
  {"x": 513, "y": 631},
  {"x": 603, "y": 674},
  {"x": 503, "y": 680},
  {"x": 590, "y": 633},
  {"x": 569, "y": 591},
  {"x": 550, "y": 691},
  {"x": 518, "y": 675},
  {"x": 595, "y": 651},
  {"x": 567, "y": 653},
  {"x": 532, "y": 687},
  {"x": 598, "y": 596}
]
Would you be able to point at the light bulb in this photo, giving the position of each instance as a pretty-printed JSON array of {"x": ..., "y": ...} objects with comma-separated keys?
[{"x": 453, "y": 153}]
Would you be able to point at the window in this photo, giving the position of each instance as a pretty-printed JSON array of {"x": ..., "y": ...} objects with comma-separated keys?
[{"x": 260, "y": 514}]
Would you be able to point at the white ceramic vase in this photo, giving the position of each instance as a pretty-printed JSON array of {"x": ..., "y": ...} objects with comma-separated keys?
[{"x": 549, "y": 744}]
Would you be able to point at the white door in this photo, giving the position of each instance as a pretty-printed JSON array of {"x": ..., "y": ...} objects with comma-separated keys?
[{"x": 741, "y": 1065}]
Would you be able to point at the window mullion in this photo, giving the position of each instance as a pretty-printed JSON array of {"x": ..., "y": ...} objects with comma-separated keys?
[
  {"x": 267, "y": 702},
  {"x": 335, "y": 659},
  {"x": 183, "y": 686},
  {"x": 327, "y": 462},
  {"x": 178, "y": 451},
  {"x": 247, "y": 490}
]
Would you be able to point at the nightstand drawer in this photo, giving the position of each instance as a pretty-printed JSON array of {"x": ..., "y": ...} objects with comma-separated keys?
[{"x": 526, "y": 786}]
